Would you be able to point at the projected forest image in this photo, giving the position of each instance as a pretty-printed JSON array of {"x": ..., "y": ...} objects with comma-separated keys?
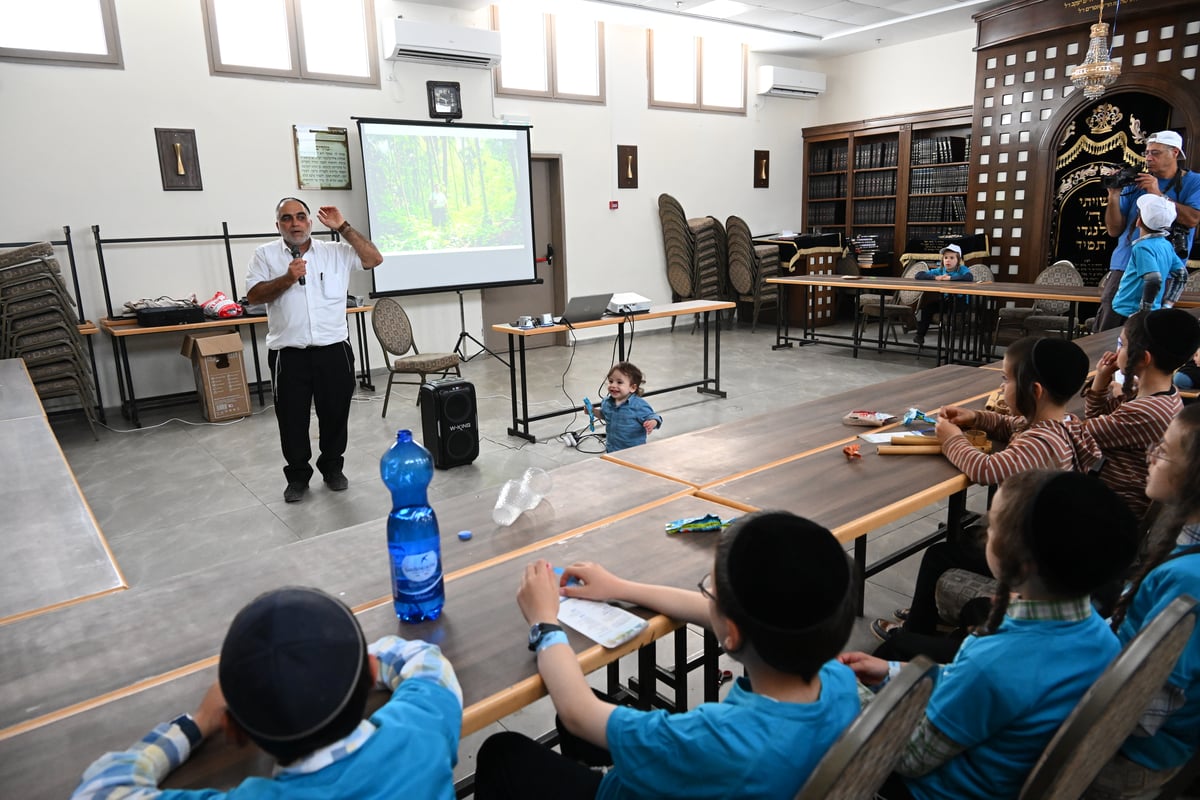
[{"x": 443, "y": 192}]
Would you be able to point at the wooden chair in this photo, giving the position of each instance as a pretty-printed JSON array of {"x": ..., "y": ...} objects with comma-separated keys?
[
  {"x": 1109, "y": 711},
  {"x": 1045, "y": 316},
  {"x": 865, "y": 754},
  {"x": 749, "y": 267},
  {"x": 394, "y": 332}
]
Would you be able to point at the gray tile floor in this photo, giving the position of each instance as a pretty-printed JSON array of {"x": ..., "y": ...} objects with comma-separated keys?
[{"x": 180, "y": 494}]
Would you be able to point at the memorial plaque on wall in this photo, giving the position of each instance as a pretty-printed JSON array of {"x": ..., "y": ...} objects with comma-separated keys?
[
  {"x": 322, "y": 158},
  {"x": 1105, "y": 137}
]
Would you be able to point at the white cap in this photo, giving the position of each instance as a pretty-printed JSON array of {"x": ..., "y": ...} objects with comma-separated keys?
[
  {"x": 1170, "y": 139},
  {"x": 1157, "y": 211},
  {"x": 953, "y": 248}
]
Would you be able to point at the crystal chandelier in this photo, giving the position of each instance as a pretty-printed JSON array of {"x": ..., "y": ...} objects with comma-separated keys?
[{"x": 1098, "y": 71}]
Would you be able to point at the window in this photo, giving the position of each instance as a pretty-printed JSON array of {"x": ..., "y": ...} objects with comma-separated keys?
[
  {"x": 543, "y": 55},
  {"x": 314, "y": 40},
  {"x": 71, "y": 32},
  {"x": 701, "y": 74}
]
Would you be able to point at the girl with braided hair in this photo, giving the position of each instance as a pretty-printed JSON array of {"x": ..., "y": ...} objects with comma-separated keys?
[
  {"x": 1168, "y": 734},
  {"x": 1053, "y": 538}
]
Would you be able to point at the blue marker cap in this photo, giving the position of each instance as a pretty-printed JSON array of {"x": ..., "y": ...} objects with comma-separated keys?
[{"x": 464, "y": 535}]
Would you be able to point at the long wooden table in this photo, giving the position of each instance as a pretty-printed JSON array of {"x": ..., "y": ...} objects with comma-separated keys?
[
  {"x": 122, "y": 328},
  {"x": 517, "y": 366},
  {"x": 54, "y": 552}
]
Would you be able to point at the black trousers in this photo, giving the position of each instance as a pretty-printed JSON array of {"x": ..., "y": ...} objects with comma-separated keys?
[
  {"x": 1106, "y": 318},
  {"x": 300, "y": 379},
  {"x": 958, "y": 552},
  {"x": 510, "y": 765}
]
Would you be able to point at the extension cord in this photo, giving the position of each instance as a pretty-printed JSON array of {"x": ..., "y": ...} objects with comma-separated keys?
[{"x": 568, "y": 439}]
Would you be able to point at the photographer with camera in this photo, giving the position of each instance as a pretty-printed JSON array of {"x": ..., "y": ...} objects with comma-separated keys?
[{"x": 1164, "y": 176}]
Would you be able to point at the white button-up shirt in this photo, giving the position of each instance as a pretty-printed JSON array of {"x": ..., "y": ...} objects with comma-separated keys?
[{"x": 313, "y": 314}]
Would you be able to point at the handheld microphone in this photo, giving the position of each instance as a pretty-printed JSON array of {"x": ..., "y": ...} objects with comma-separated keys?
[{"x": 295, "y": 255}]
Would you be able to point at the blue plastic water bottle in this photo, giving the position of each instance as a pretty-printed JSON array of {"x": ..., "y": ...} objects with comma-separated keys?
[{"x": 418, "y": 591}]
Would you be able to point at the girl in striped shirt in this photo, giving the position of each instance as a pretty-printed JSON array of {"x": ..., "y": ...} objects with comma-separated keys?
[{"x": 1152, "y": 345}]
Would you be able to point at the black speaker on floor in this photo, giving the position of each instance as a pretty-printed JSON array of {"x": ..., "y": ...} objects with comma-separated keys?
[{"x": 450, "y": 422}]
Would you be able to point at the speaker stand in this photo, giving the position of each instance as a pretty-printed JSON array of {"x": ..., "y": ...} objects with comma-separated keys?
[{"x": 460, "y": 346}]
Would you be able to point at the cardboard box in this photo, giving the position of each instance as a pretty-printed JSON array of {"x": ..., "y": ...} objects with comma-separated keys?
[{"x": 220, "y": 373}]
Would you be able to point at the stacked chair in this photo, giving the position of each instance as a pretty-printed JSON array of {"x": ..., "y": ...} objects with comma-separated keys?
[
  {"x": 38, "y": 326},
  {"x": 750, "y": 266},
  {"x": 697, "y": 264}
]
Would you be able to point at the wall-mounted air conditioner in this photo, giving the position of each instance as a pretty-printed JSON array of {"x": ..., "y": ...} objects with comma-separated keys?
[
  {"x": 786, "y": 82},
  {"x": 451, "y": 45}
]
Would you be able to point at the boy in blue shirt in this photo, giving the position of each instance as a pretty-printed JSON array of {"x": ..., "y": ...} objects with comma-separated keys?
[
  {"x": 1151, "y": 261},
  {"x": 294, "y": 676},
  {"x": 627, "y": 417},
  {"x": 779, "y": 600},
  {"x": 952, "y": 269}
]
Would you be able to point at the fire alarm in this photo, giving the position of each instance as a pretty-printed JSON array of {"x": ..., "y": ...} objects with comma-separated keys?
[{"x": 612, "y": 205}]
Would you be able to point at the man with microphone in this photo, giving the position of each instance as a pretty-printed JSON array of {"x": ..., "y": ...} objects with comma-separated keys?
[{"x": 303, "y": 282}]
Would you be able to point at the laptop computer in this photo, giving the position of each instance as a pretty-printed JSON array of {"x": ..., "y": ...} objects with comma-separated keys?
[{"x": 584, "y": 309}]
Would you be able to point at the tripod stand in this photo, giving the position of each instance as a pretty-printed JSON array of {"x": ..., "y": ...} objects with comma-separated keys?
[{"x": 460, "y": 346}]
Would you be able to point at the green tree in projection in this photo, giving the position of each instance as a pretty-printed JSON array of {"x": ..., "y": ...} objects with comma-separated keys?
[{"x": 443, "y": 192}]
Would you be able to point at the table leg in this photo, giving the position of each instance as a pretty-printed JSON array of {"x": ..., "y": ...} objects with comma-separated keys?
[
  {"x": 647, "y": 677},
  {"x": 712, "y": 669},
  {"x": 257, "y": 366},
  {"x": 522, "y": 421},
  {"x": 364, "y": 353},
  {"x": 133, "y": 410},
  {"x": 783, "y": 328},
  {"x": 621, "y": 341},
  {"x": 96, "y": 380},
  {"x": 860, "y": 569},
  {"x": 716, "y": 379}
]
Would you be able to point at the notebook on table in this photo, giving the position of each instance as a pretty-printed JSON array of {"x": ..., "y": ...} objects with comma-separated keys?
[{"x": 584, "y": 309}]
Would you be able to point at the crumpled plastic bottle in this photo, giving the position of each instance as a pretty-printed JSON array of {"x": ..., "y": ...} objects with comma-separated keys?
[{"x": 518, "y": 496}]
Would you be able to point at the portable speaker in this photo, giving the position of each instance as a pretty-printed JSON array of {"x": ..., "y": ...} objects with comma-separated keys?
[{"x": 450, "y": 422}]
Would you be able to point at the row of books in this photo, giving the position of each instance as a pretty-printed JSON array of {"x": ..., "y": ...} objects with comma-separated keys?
[
  {"x": 931, "y": 239},
  {"x": 828, "y": 159},
  {"x": 875, "y": 212},
  {"x": 952, "y": 208},
  {"x": 940, "y": 150},
  {"x": 822, "y": 187},
  {"x": 927, "y": 180},
  {"x": 869, "y": 184},
  {"x": 869, "y": 155},
  {"x": 826, "y": 214},
  {"x": 871, "y": 248}
]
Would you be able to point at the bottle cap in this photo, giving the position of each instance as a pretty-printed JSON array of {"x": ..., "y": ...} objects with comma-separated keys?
[{"x": 464, "y": 535}]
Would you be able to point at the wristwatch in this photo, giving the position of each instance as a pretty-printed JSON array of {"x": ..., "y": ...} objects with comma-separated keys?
[{"x": 539, "y": 631}]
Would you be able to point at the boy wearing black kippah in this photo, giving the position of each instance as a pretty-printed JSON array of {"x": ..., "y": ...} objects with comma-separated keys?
[
  {"x": 779, "y": 600},
  {"x": 294, "y": 675}
]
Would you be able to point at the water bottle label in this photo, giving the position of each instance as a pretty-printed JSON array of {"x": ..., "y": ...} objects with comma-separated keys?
[{"x": 420, "y": 567}]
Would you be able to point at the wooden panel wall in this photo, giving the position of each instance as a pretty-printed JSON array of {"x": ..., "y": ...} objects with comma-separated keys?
[{"x": 1024, "y": 101}]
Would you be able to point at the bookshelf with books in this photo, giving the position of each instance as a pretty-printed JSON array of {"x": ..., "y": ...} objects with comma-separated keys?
[{"x": 880, "y": 180}]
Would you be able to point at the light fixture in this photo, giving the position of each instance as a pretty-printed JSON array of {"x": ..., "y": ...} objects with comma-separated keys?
[{"x": 1098, "y": 71}]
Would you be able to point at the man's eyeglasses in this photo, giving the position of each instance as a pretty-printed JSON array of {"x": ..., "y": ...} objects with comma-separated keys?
[
  {"x": 705, "y": 587},
  {"x": 1157, "y": 452}
]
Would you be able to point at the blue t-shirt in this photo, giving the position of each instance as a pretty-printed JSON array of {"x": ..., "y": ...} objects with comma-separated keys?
[
  {"x": 1179, "y": 737},
  {"x": 1188, "y": 195},
  {"x": 411, "y": 755},
  {"x": 1150, "y": 254},
  {"x": 1004, "y": 697},
  {"x": 624, "y": 422},
  {"x": 960, "y": 273},
  {"x": 747, "y": 746}
]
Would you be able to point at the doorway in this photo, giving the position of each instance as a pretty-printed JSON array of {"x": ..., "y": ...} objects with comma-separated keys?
[{"x": 505, "y": 304}]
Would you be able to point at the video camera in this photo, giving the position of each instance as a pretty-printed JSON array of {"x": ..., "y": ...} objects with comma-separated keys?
[{"x": 1126, "y": 176}]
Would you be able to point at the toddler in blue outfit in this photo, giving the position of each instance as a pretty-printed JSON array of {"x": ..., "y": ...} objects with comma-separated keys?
[
  {"x": 952, "y": 269},
  {"x": 628, "y": 417}
]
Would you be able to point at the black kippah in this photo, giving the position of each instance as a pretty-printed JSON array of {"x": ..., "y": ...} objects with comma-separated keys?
[
  {"x": 290, "y": 663},
  {"x": 1080, "y": 533},
  {"x": 786, "y": 573},
  {"x": 1173, "y": 335},
  {"x": 1060, "y": 366}
]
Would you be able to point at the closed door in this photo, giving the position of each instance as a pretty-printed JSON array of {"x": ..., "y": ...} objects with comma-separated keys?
[{"x": 505, "y": 304}]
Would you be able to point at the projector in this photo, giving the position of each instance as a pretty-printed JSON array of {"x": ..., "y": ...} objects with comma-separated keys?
[{"x": 628, "y": 303}]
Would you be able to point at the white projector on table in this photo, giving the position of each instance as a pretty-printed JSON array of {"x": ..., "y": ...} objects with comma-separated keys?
[{"x": 628, "y": 303}]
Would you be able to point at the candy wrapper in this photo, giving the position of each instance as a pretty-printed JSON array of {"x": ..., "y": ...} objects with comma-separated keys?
[
  {"x": 709, "y": 522},
  {"x": 852, "y": 452},
  {"x": 869, "y": 419},
  {"x": 917, "y": 415}
]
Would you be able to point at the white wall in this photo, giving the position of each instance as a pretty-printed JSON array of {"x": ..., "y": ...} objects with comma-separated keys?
[
  {"x": 79, "y": 150},
  {"x": 938, "y": 72}
]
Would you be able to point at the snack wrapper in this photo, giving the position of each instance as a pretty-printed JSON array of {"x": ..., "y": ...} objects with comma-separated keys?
[
  {"x": 869, "y": 419},
  {"x": 917, "y": 415},
  {"x": 709, "y": 522}
]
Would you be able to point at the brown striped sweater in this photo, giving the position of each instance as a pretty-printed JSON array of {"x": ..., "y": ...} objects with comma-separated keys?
[
  {"x": 1044, "y": 445},
  {"x": 1124, "y": 430}
]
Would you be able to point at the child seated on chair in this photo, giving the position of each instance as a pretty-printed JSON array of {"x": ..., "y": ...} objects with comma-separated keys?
[
  {"x": 628, "y": 418},
  {"x": 780, "y": 599},
  {"x": 1168, "y": 734},
  {"x": 1053, "y": 538},
  {"x": 952, "y": 269}
]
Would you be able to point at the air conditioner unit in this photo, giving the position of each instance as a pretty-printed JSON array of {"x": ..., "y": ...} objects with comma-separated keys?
[
  {"x": 785, "y": 82},
  {"x": 451, "y": 45}
]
